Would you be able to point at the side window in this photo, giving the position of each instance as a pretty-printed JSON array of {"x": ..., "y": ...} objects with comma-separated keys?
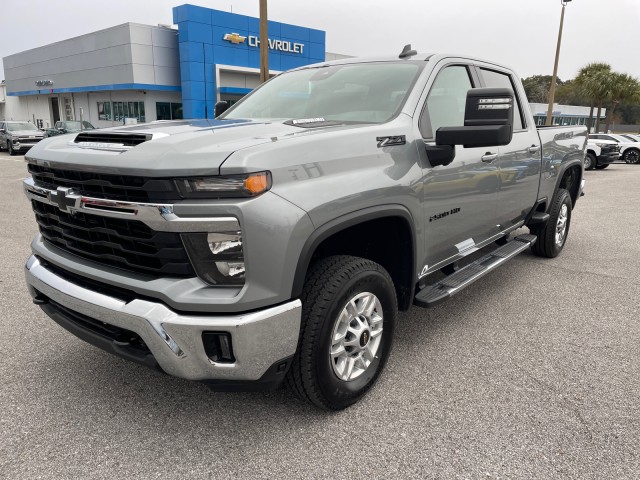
[
  {"x": 502, "y": 80},
  {"x": 446, "y": 101}
]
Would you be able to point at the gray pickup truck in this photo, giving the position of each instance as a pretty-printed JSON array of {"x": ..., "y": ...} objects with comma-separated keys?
[{"x": 278, "y": 242}]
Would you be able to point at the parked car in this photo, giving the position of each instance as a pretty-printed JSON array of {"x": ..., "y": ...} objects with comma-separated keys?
[
  {"x": 633, "y": 138},
  {"x": 279, "y": 240},
  {"x": 17, "y": 137},
  {"x": 69, "y": 126},
  {"x": 601, "y": 153},
  {"x": 629, "y": 149}
]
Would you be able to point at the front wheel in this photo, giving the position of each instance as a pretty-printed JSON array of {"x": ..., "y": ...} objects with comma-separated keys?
[
  {"x": 349, "y": 309},
  {"x": 10, "y": 149},
  {"x": 590, "y": 161},
  {"x": 632, "y": 156},
  {"x": 553, "y": 236}
]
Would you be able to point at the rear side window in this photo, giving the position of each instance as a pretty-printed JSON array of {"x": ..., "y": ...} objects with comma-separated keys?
[{"x": 493, "y": 79}]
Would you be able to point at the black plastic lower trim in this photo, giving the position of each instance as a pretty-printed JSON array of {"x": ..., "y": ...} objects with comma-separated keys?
[
  {"x": 75, "y": 325},
  {"x": 271, "y": 380}
]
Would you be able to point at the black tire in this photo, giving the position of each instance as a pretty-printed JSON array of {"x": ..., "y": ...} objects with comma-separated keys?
[
  {"x": 546, "y": 245},
  {"x": 329, "y": 286},
  {"x": 632, "y": 156},
  {"x": 590, "y": 161},
  {"x": 10, "y": 149},
  {"x": 602, "y": 167}
]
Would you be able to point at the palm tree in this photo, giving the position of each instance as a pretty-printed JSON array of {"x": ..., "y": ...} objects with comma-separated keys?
[
  {"x": 590, "y": 84},
  {"x": 623, "y": 88}
]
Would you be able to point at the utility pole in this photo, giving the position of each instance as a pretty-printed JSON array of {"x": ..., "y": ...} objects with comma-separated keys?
[
  {"x": 554, "y": 78},
  {"x": 264, "y": 43}
]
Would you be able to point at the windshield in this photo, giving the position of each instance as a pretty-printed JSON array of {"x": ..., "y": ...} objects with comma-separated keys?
[
  {"x": 20, "y": 126},
  {"x": 71, "y": 125},
  {"x": 368, "y": 92},
  {"x": 74, "y": 126}
]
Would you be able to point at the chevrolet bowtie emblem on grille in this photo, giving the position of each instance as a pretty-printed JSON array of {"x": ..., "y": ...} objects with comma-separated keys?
[
  {"x": 64, "y": 198},
  {"x": 234, "y": 38}
]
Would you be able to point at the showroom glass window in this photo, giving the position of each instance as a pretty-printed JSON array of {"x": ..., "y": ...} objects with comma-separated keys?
[{"x": 168, "y": 111}]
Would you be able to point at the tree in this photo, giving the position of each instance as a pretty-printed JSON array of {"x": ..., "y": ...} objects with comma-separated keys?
[
  {"x": 591, "y": 82},
  {"x": 622, "y": 88},
  {"x": 537, "y": 88}
]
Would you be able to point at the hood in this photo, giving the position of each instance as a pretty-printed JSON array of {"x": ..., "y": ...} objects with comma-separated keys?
[
  {"x": 162, "y": 149},
  {"x": 27, "y": 133}
]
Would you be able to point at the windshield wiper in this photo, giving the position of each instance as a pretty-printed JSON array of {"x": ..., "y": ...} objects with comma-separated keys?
[{"x": 312, "y": 122}]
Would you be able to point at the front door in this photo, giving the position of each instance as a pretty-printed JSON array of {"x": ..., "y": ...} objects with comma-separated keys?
[
  {"x": 55, "y": 110},
  {"x": 460, "y": 198}
]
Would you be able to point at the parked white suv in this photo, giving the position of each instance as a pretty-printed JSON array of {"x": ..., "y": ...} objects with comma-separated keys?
[
  {"x": 629, "y": 149},
  {"x": 600, "y": 153}
]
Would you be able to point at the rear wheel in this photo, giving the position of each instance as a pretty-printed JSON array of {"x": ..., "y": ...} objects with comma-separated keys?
[
  {"x": 590, "y": 161},
  {"x": 553, "y": 236},
  {"x": 632, "y": 156},
  {"x": 349, "y": 308}
]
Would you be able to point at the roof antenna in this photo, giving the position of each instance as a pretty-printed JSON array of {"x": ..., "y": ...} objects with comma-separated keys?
[{"x": 407, "y": 52}]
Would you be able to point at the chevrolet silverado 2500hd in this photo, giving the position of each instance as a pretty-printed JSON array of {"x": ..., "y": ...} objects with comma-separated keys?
[{"x": 278, "y": 241}]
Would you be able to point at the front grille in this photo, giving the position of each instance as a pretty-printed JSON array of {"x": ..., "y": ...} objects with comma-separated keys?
[
  {"x": 112, "y": 187},
  {"x": 126, "y": 244},
  {"x": 93, "y": 285},
  {"x": 126, "y": 139}
]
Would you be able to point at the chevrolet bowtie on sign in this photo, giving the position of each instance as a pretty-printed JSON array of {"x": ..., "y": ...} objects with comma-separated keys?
[{"x": 234, "y": 38}]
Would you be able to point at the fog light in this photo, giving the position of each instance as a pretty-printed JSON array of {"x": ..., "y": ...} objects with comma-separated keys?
[
  {"x": 217, "y": 346},
  {"x": 217, "y": 257}
]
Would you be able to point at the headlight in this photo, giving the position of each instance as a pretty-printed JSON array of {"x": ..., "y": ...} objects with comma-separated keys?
[
  {"x": 217, "y": 257},
  {"x": 602, "y": 145},
  {"x": 229, "y": 186}
]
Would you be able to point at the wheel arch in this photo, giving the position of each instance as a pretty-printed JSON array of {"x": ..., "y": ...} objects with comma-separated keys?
[
  {"x": 570, "y": 180},
  {"x": 339, "y": 237}
]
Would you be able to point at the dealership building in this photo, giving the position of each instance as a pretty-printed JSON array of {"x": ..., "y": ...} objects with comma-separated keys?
[{"x": 139, "y": 73}]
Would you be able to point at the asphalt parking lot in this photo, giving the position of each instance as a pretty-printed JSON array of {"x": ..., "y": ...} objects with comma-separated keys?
[{"x": 532, "y": 372}]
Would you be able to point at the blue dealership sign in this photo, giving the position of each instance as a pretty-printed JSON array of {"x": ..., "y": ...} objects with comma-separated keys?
[{"x": 208, "y": 38}]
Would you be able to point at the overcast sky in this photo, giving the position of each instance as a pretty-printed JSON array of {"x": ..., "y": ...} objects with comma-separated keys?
[{"x": 519, "y": 33}]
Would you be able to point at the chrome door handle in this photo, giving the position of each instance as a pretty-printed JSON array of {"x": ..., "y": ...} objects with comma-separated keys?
[
  {"x": 534, "y": 148},
  {"x": 489, "y": 157}
]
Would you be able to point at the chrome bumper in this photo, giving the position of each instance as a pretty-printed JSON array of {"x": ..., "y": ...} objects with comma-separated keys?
[{"x": 260, "y": 339}]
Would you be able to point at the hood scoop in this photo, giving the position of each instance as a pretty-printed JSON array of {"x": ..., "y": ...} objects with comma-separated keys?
[{"x": 117, "y": 142}]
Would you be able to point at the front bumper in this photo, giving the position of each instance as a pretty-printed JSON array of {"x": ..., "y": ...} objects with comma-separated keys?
[
  {"x": 607, "y": 158},
  {"x": 262, "y": 340},
  {"x": 25, "y": 145}
]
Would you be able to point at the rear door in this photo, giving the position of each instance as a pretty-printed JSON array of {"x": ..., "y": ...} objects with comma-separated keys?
[
  {"x": 519, "y": 162},
  {"x": 460, "y": 198}
]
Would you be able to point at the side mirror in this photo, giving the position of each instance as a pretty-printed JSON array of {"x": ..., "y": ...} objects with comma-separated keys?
[
  {"x": 220, "y": 108},
  {"x": 488, "y": 120}
]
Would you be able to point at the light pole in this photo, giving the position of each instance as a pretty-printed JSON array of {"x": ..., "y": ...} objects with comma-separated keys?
[
  {"x": 554, "y": 78},
  {"x": 264, "y": 43}
]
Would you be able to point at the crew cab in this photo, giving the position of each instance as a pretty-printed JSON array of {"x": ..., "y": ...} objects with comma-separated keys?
[
  {"x": 16, "y": 137},
  {"x": 278, "y": 241}
]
